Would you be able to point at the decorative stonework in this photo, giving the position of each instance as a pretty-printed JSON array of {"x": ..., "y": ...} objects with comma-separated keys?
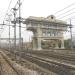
[{"x": 48, "y": 29}]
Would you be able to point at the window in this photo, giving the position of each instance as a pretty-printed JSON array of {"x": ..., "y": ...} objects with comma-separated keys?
[
  {"x": 54, "y": 33},
  {"x": 44, "y": 34},
  {"x": 48, "y": 33}
]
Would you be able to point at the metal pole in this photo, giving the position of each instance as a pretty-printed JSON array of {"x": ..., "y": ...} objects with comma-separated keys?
[
  {"x": 22, "y": 43},
  {"x": 14, "y": 9},
  {"x": 15, "y": 30},
  {"x": 9, "y": 31},
  {"x": 71, "y": 34},
  {"x": 9, "y": 34},
  {"x": 14, "y": 27},
  {"x": 19, "y": 25}
]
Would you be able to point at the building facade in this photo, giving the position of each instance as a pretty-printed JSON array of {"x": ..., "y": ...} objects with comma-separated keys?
[{"x": 45, "y": 30}]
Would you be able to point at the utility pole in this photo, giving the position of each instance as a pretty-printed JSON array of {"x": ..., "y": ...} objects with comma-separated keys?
[
  {"x": 14, "y": 22},
  {"x": 9, "y": 20},
  {"x": 19, "y": 25},
  {"x": 9, "y": 34},
  {"x": 71, "y": 34},
  {"x": 14, "y": 9}
]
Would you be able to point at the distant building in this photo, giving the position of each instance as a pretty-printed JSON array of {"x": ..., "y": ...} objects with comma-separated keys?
[{"x": 45, "y": 30}]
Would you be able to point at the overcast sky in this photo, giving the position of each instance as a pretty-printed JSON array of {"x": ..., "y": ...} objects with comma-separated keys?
[{"x": 40, "y": 8}]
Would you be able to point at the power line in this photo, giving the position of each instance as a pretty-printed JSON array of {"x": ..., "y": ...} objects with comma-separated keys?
[
  {"x": 12, "y": 25},
  {"x": 8, "y": 8},
  {"x": 66, "y": 15},
  {"x": 7, "y": 11},
  {"x": 65, "y": 8},
  {"x": 11, "y": 9},
  {"x": 66, "y": 12},
  {"x": 73, "y": 17},
  {"x": 18, "y": 3}
]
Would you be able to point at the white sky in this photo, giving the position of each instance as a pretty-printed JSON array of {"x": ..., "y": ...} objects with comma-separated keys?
[{"x": 40, "y": 8}]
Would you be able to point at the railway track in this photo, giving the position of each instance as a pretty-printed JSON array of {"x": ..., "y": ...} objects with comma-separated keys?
[
  {"x": 53, "y": 55},
  {"x": 50, "y": 54},
  {"x": 20, "y": 69},
  {"x": 0, "y": 68},
  {"x": 58, "y": 63},
  {"x": 60, "y": 68},
  {"x": 49, "y": 65},
  {"x": 5, "y": 66}
]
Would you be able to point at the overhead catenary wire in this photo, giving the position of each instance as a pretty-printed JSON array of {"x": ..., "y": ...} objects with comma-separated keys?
[
  {"x": 67, "y": 15},
  {"x": 72, "y": 18},
  {"x": 7, "y": 10},
  {"x": 12, "y": 25},
  {"x": 23, "y": 26},
  {"x": 66, "y": 12},
  {"x": 64, "y": 8},
  {"x": 6, "y": 14},
  {"x": 18, "y": 3},
  {"x": 10, "y": 11}
]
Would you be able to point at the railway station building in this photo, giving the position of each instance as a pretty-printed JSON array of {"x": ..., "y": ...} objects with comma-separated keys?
[{"x": 47, "y": 30}]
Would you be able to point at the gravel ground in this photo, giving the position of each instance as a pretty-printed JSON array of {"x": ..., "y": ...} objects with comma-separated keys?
[
  {"x": 34, "y": 67},
  {"x": 7, "y": 70},
  {"x": 5, "y": 67},
  {"x": 31, "y": 69}
]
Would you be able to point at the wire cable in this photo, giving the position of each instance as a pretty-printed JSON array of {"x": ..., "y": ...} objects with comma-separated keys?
[
  {"x": 6, "y": 12},
  {"x": 65, "y": 8},
  {"x": 73, "y": 17},
  {"x": 12, "y": 25},
  {"x": 67, "y": 15},
  {"x": 16, "y": 4},
  {"x": 11, "y": 9},
  {"x": 20, "y": 5},
  {"x": 65, "y": 12},
  {"x": 8, "y": 8}
]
